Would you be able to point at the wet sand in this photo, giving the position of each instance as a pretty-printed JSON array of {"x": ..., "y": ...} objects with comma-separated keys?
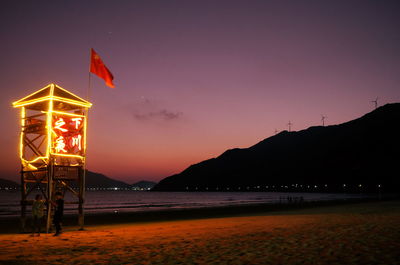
[
  {"x": 12, "y": 224},
  {"x": 361, "y": 233}
]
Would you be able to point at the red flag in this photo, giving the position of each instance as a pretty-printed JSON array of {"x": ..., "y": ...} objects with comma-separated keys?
[{"x": 98, "y": 68}]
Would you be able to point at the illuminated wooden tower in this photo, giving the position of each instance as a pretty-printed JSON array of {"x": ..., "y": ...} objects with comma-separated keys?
[{"x": 53, "y": 147}]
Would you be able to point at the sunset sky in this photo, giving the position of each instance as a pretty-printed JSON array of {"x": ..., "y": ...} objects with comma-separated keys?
[{"x": 194, "y": 78}]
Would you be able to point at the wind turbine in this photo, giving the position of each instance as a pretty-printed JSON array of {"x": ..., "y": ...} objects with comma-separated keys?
[
  {"x": 375, "y": 102},
  {"x": 290, "y": 126},
  {"x": 323, "y": 119}
]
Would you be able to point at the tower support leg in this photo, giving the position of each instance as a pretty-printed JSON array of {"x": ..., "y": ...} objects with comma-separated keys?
[
  {"x": 23, "y": 203},
  {"x": 49, "y": 197},
  {"x": 81, "y": 218}
]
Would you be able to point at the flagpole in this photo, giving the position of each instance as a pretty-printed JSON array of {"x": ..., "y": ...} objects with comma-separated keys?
[
  {"x": 83, "y": 181},
  {"x": 89, "y": 87},
  {"x": 89, "y": 79}
]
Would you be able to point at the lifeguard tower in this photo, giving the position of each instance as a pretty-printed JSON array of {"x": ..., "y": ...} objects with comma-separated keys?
[{"x": 53, "y": 147}]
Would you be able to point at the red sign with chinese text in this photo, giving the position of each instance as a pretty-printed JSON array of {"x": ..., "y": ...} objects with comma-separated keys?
[{"x": 68, "y": 134}]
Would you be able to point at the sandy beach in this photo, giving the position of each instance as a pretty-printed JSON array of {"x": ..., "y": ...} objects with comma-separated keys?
[{"x": 361, "y": 233}]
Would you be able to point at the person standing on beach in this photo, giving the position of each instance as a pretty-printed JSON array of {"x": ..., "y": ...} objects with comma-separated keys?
[
  {"x": 37, "y": 214},
  {"x": 58, "y": 213}
]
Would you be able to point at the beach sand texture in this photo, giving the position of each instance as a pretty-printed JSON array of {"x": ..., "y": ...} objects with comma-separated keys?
[{"x": 363, "y": 233}]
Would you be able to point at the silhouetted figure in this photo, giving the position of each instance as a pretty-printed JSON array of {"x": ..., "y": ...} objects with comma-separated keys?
[
  {"x": 58, "y": 213},
  {"x": 37, "y": 214}
]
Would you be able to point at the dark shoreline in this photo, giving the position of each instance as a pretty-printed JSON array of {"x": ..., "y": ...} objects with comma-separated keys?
[{"x": 12, "y": 224}]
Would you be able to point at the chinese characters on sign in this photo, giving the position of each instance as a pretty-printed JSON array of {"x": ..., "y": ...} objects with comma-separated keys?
[{"x": 67, "y": 134}]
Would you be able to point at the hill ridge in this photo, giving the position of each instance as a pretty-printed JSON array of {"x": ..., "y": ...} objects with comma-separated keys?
[{"x": 353, "y": 152}]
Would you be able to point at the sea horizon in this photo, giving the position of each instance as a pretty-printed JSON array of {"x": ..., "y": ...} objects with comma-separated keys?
[{"x": 116, "y": 201}]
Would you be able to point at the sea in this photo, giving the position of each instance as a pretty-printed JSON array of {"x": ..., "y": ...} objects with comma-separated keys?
[{"x": 137, "y": 201}]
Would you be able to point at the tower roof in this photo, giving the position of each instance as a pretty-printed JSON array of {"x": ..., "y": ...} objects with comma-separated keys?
[{"x": 51, "y": 92}]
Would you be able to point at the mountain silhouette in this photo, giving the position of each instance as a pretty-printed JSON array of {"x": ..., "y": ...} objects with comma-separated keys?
[
  {"x": 361, "y": 155},
  {"x": 98, "y": 180},
  {"x": 5, "y": 183},
  {"x": 143, "y": 184},
  {"x": 93, "y": 180}
]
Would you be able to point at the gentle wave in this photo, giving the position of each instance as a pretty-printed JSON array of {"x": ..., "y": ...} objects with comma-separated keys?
[{"x": 134, "y": 201}]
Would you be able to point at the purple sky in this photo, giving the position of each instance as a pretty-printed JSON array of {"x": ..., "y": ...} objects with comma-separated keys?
[{"x": 194, "y": 78}]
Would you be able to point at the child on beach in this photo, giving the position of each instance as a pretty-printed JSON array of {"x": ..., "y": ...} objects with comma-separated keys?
[
  {"x": 58, "y": 213},
  {"x": 37, "y": 214}
]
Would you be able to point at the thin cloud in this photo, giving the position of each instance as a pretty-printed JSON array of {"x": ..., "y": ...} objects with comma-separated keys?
[{"x": 162, "y": 114}]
